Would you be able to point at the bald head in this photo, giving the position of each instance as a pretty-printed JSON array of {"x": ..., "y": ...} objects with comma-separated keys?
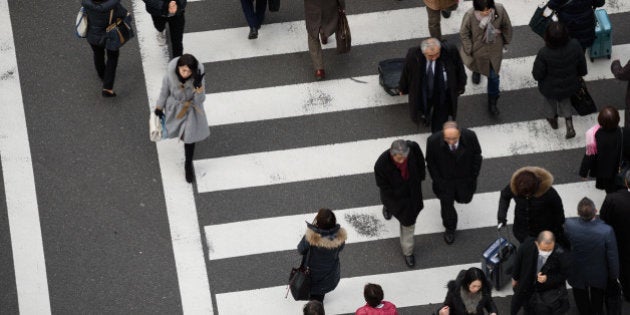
[
  {"x": 545, "y": 241},
  {"x": 451, "y": 132}
]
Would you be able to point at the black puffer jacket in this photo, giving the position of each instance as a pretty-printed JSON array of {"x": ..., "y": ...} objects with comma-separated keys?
[
  {"x": 557, "y": 70},
  {"x": 456, "y": 304},
  {"x": 160, "y": 7},
  {"x": 98, "y": 13},
  {"x": 579, "y": 18},
  {"x": 324, "y": 246}
]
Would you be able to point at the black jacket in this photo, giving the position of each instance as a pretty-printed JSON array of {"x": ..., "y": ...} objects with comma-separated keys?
[
  {"x": 579, "y": 18},
  {"x": 455, "y": 303},
  {"x": 615, "y": 212},
  {"x": 556, "y": 268},
  {"x": 412, "y": 79},
  {"x": 454, "y": 172},
  {"x": 402, "y": 198},
  {"x": 324, "y": 246},
  {"x": 543, "y": 211},
  {"x": 160, "y": 7},
  {"x": 604, "y": 165},
  {"x": 98, "y": 13},
  {"x": 557, "y": 70}
]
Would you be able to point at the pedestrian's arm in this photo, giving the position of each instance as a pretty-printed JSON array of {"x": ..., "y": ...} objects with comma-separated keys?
[
  {"x": 587, "y": 165},
  {"x": 465, "y": 34},
  {"x": 433, "y": 170},
  {"x": 421, "y": 166},
  {"x": 540, "y": 68},
  {"x": 164, "y": 93},
  {"x": 619, "y": 72},
  {"x": 504, "y": 204},
  {"x": 604, "y": 211},
  {"x": 581, "y": 65},
  {"x": 558, "y": 278},
  {"x": 403, "y": 83},
  {"x": 490, "y": 306},
  {"x": 506, "y": 28},
  {"x": 477, "y": 158},
  {"x": 557, "y": 208},
  {"x": 303, "y": 246},
  {"x": 462, "y": 78}
]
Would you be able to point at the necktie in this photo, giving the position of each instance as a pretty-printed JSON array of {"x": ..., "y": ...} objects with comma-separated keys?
[
  {"x": 453, "y": 148},
  {"x": 430, "y": 79}
]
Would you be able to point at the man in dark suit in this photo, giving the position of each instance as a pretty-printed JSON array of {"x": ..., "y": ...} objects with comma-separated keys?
[
  {"x": 399, "y": 173},
  {"x": 434, "y": 77},
  {"x": 454, "y": 161},
  {"x": 615, "y": 212},
  {"x": 539, "y": 276}
]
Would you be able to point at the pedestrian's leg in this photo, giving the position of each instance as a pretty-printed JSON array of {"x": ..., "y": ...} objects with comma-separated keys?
[
  {"x": 315, "y": 49},
  {"x": 159, "y": 22},
  {"x": 551, "y": 112},
  {"x": 99, "y": 60},
  {"x": 434, "y": 23},
  {"x": 189, "y": 151},
  {"x": 407, "y": 239},
  {"x": 248, "y": 10},
  {"x": 110, "y": 69},
  {"x": 176, "y": 28},
  {"x": 448, "y": 212},
  {"x": 582, "y": 301},
  {"x": 517, "y": 303},
  {"x": 261, "y": 7},
  {"x": 493, "y": 91},
  {"x": 597, "y": 301},
  {"x": 564, "y": 110}
]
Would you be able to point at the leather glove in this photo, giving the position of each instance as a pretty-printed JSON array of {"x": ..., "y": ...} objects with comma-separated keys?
[
  {"x": 198, "y": 79},
  {"x": 158, "y": 112}
]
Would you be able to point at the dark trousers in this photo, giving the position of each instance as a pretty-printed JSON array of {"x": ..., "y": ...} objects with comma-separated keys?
[
  {"x": 254, "y": 17},
  {"x": 519, "y": 300},
  {"x": 441, "y": 113},
  {"x": 447, "y": 210},
  {"x": 317, "y": 297},
  {"x": 589, "y": 301},
  {"x": 175, "y": 28},
  {"x": 106, "y": 69}
]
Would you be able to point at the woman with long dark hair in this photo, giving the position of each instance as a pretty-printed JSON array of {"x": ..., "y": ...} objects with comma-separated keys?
[{"x": 469, "y": 294}]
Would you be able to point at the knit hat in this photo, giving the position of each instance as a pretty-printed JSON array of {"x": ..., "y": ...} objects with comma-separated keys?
[{"x": 399, "y": 147}]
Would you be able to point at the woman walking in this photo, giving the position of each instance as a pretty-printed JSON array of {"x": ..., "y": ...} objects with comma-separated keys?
[
  {"x": 324, "y": 239},
  {"x": 469, "y": 294},
  {"x": 181, "y": 104},
  {"x": 558, "y": 68},
  {"x": 579, "y": 18},
  {"x": 100, "y": 13},
  {"x": 485, "y": 30},
  {"x": 321, "y": 18}
]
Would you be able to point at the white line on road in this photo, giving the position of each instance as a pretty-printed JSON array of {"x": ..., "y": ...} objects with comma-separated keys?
[{"x": 19, "y": 182}]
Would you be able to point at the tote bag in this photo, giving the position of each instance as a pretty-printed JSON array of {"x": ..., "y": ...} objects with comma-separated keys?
[{"x": 81, "y": 25}]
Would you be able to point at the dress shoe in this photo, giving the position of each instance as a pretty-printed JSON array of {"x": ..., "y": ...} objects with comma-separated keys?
[
  {"x": 570, "y": 130},
  {"x": 553, "y": 122},
  {"x": 386, "y": 214},
  {"x": 410, "y": 261},
  {"x": 190, "y": 173},
  {"x": 253, "y": 33},
  {"x": 320, "y": 74},
  {"x": 324, "y": 39},
  {"x": 492, "y": 105},
  {"x": 108, "y": 93},
  {"x": 476, "y": 77},
  {"x": 449, "y": 237},
  {"x": 446, "y": 14}
]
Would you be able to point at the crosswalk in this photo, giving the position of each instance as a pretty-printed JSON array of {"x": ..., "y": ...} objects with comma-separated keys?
[{"x": 279, "y": 152}]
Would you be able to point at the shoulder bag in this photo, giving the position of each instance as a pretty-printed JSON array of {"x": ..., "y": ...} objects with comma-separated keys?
[
  {"x": 542, "y": 17},
  {"x": 300, "y": 280},
  {"x": 118, "y": 32},
  {"x": 620, "y": 177},
  {"x": 582, "y": 100},
  {"x": 81, "y": 25},
  {"x": 342, "y": 35}
]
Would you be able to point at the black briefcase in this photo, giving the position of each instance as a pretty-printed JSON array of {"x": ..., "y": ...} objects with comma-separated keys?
[{"x": 389, "y": 72}]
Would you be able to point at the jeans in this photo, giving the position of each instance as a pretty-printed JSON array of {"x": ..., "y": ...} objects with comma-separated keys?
[
  {"x": 256, "y": 17},
  {"x": 106, "y": 69},
  {"x": 493, "y": 83},
  {"x": 176, "y": 29}
]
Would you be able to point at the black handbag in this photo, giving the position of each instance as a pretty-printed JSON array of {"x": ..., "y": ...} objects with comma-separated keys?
[
  {"x": 342, "y": 35},
  {"x": 539, "y": 21},
  {"x": 582, "y": 100},
  {"x": 300, "y": 280},
  {"x": 118, "y": 32},
  {"x": 620, "y": 177},
  {"x": 274, "y": 5}
]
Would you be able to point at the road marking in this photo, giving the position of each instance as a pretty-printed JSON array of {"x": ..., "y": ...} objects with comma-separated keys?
[
  {"x": 347, "y": 94},
  {"x": 192, "y": 274},
  {"x": 367, "y": 28},
  {"x": 19, "y": 182}
]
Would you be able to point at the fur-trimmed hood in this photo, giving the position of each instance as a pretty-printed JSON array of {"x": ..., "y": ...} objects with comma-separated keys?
[
  {"x": 329, "y": 239},
  {"x": 546, "y": 179}
]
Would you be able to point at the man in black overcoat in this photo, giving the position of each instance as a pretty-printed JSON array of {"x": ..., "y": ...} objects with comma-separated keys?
[
  {"x": 399, "y": 172},
  {"x": 433, "y": 101},
  {"x": 454, "y": 161}
]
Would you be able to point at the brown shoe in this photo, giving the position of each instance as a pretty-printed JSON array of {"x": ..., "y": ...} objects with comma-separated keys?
[{"x": 320, "y": 74}]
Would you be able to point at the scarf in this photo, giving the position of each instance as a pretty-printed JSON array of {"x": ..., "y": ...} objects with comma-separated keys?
[
  {"x": 471, "y": 300},
  {"x": 591, "y": 144},
  {"x": 485, "y": 23},
  {"x": 402, "y": 167}
]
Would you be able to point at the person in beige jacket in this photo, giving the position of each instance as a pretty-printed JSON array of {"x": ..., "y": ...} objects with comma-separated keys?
[
  {"x": 434, "y": 8},
  {"x": 485, "y": 30}
]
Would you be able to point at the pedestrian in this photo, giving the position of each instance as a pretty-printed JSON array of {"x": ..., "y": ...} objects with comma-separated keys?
[
  {"x": 434, "y": 77},
  {"x": 538, "y": 204},
  {"x": 594, "y": 258},
  {"x": 579, "y": 18},
  {"x": 558, "y": 68},
  {"x": 181, "y": 105},
  {"x": 171, "y": 12},
  {"x": 399, "y": 173},
  {"x": 486, "y": 30},
  {"x": 325, "y": 239},
  {"x": 615, "y": 212},
  {"x": 539, "y": 277},
  {"x": 321, "y": 17},
  {"x": 314, "y": 308},
  {"x": 255, "y": 15},
  {"x": 604, "y": 143},
  {"x": 623, "y": 73},
  {"x": 99, "y": 14},
  {"x": 469, "y": 294},
  {"x": 454, "y": 161},
  {"x": 374, "y": 303},
  {"x": 434, "y": 9}
]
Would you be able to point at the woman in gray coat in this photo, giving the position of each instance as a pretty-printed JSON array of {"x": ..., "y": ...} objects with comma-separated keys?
[
  {"x": 485, "y": 30},
  {"x": 181, "y": 104},
  {"x": 321, "y": 18}
]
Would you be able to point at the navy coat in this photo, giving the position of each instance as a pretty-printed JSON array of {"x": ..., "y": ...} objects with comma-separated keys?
[
  {"x": 98, "y": 13},
  {"x": 324, "y": 246}
]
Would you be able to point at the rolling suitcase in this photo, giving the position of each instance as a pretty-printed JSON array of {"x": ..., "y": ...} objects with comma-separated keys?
[
  {"x": 389, "y": 72},
  {"x": 602, "y": 46},
  {"x": 497, "y": 261}
]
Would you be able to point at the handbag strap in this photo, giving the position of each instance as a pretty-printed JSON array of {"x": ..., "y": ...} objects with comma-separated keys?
[
  {"x": 111, "y": 16},
  {"x": 620, "y": 150},
  {"x": 306, "y": 259}
]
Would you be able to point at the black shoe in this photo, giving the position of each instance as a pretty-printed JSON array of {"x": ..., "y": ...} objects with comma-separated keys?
[
  {"x": 386, "y": 214},
  {"x": 553, "y": 122},
  {"x": 570, "y": 130},
  {"x": 253, "y": 33},
  {"x": 106, "y": 93},
  {"x": 446, "y": 14},
  {"x": 410, "y": 261},
  {"x": 492, "y": 105},
  {"x": 476, "y": 77},
  {"x": 449, "y": 237},
  {"x": 190, "y": 173}
]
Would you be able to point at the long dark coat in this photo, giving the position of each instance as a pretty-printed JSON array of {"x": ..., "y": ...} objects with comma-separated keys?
[
  {"x": 412, "y": 79},
  {"x": 615, "y": 212},
  {"x": 98, "y": 18},
  {"x": 325, "y": 246},
  {"x": 579, "y": 18},
  {"x": 322, "y": 16},
  {"x": 543, "y": 211},
  {"x": 623, "y": 73},
  {"x": 455, "y": 303},
  {"x": 402, "y": 198},
  {"x": 604, "y": 165},
  {"x": 557, "y": 70},
  {"x": 160, "y": 7},
  {"x": 454, "y": 172}
]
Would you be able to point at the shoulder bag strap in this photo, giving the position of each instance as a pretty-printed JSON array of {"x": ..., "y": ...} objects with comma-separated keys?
[
  {"x": 307, "y": 258},
  {"x": 620, "y": 151},
  {"x": 111, "y": 16}
]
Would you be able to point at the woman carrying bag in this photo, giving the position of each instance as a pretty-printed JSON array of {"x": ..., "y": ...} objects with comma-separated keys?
[{"x": 180, "y": 104}]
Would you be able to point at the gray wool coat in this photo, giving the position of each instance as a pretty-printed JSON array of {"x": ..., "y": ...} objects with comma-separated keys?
[
  {"x": 322, "y": 16},
  {"x": 483, "y": 54},
  {"x": 193, "y": 126}
]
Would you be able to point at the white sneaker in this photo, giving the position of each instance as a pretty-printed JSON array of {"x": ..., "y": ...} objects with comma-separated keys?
[{"x": 161, "y": 38}]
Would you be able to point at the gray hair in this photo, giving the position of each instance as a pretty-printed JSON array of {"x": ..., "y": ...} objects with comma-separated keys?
[
  {"x": 545, "y": 237},
  {"x": 430, "y": 42},
  {"x": 586, "y": 209},
  {"x": 399, "y": 147}
]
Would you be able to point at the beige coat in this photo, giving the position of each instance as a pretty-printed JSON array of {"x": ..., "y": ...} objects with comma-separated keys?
[
  {"x": 484, "y": 55},
  {"x": 322, "y": 16},
  {"x": 439, "y": 4}
]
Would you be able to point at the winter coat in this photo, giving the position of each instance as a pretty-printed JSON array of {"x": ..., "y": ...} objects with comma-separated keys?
[
  {"x": 98, "y": 13},
  {"x": 623, "y": 73},
  {"x": 322, "y": 16},
  {"x": 193, "y": 126},
  {"x": 160, "y": 7},
  {"x": 386, "y": 308},
  {"x": 456, "y": 304},
  {"x": 485, "y": 54},
  {"x": 557, "y": 268},
  {"x": 615, "y": 212},
  {"x": 325, "y": 246},
  {"x": 402, "y": 198},
  {"x": 593, "y": 253},
  {"x": 579, "y": 18},
  {"x": 542, "y": 211},
  {"x": 605, "y": 164},
  {"x": 440, "y": 4},
  {"x": 454, "y": 172},
  {"x": 413, "y": 77},
  {"x": 557, "y": 70}
]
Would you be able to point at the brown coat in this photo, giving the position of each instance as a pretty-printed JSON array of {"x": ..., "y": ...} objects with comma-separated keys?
[
  {"x": 623, "y": 73},
  {"x": 322, "y": 16},
  {"x": 439, "y": 4},
  {"x": 483, "y": 54}
]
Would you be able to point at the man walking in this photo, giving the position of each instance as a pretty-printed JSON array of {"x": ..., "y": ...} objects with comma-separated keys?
[
  {"x": 434, "y": 8},
  {"x": 171, "y": 12},
  {"x": 454, "y": 161},
  {"x": 255, "y": 15},
  {"x": 434, "y": 77},
  {"x": 399, "y": 172}
]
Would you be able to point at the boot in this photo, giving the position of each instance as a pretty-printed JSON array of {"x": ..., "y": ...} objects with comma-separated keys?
[
  {"x": 570, "y": 130},
  {"x": 492, "y": 105},
  {"x": 553, "y": 122},
  {"x": 189, "y": 150}
]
